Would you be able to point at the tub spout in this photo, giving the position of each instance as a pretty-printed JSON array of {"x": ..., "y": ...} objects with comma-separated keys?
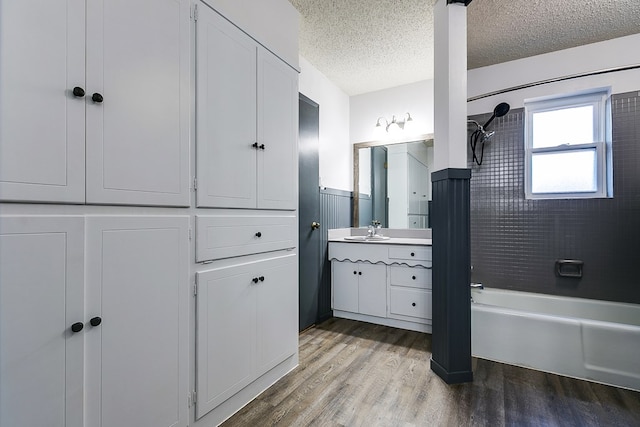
[{"x": 477, "y": 285}]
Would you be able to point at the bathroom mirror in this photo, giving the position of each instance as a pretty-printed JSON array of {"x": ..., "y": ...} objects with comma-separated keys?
[{"x": 392, "y": 182}]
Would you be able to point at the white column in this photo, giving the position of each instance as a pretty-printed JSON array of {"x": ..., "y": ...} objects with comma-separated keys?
[{"x": 450, "y": 85}]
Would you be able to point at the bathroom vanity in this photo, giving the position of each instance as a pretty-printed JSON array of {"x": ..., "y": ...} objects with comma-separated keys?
[{"x": 382, "y": 280}]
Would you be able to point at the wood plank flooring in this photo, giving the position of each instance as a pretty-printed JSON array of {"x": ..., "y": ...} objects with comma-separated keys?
[{"x": 359, "y": 374}]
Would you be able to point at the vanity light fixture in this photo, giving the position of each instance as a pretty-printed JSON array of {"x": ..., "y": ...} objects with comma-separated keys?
[{"x": 394, "y": 127}]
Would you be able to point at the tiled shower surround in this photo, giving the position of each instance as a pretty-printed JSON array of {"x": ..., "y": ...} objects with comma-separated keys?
[{"x": 515, "y": 242}]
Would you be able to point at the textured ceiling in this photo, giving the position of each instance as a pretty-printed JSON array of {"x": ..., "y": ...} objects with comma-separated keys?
[{"x": 368, "y": 45}]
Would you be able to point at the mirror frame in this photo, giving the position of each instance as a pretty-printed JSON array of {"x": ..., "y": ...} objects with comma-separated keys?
[{"x": 355, "y": 219}]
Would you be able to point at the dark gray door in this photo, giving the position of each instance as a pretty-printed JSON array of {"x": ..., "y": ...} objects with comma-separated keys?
[
  {"x": 309, "y": 212},
  {"x": 379, "y": 185}
]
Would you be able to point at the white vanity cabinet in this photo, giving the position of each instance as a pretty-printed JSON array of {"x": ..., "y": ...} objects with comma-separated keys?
[
  {"x": 360, "y": 288},
  {"x": 85, "y": 113},
  {"x": 247, "y": 120},
  {"x": 384, "y": 283},
  {"x": 247, "y": 324}
]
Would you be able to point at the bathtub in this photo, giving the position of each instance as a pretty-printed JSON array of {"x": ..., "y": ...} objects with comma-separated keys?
[{"x": 587, "y": 339}]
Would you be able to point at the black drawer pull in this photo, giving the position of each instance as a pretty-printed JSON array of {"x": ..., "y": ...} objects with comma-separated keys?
[
  {"x": 95, "y": 321},
  {"x": 355, "y": 272},
  {"x": 413, "y": 277},
  {"x": 413, "y": 304},
  {"x": 255, "y": 280},
  {"x": 261, "y": 278},
  {"x": 359, "y": 273},
  {"x": 258, "y": 234},
  {"x": 413, "y": 254},
  {"x": 77, "y": 327}
]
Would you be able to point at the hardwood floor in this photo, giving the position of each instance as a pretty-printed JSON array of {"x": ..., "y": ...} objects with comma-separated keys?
[{"x": 359, "y": 374}]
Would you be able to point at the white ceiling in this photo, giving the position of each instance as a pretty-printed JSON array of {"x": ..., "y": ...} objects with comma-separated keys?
[{"x": 368, "y": 45}]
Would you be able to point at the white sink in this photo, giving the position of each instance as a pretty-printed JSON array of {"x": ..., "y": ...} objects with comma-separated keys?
[{"x": 367, "y": 238}]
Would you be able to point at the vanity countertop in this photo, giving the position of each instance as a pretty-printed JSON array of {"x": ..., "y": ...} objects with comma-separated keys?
[
  {"x": 390, "y": 241},
  {"x": 395, "y": 236}
]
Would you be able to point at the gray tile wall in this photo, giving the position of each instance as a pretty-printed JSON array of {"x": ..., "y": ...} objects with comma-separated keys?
[{"x": 515, "y": 242}]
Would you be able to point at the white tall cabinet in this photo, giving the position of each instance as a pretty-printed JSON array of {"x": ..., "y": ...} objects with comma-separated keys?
[{"x": 247, "y": 278}]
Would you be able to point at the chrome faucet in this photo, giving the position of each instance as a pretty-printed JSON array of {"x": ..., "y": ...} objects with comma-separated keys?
[
  {"x": 374, "y": 228},
  {"x": 371, "y": 231}
]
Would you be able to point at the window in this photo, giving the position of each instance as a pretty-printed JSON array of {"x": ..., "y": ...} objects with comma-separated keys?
[{"x": 567, "y": 147}]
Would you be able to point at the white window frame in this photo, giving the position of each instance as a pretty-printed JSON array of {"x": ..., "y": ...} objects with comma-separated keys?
[{"x": 600, "y": 100}]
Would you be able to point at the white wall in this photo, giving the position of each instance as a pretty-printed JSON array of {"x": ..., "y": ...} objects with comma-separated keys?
[
  {"x": 622, "y": 51},
  {"x": 336, "y": 153},
  {"x": 256, "y": 18},
  {"x": 415, "y": 98}
]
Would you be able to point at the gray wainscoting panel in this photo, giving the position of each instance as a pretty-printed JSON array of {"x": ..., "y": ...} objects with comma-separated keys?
[
  {"x": 515, "y": 242},
  {"x": 335, "y": 212}
]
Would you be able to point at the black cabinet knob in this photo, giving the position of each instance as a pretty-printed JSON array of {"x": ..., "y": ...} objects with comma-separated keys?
[
  {"x": 413, "y": 277},
  {"x": 78, "y": 92},
  {"x": 413, "y": 304},
  {"x": 255, "y": 145},
  {"x": 355, "y": 272},
  {"x": 359, "y": 273},
  {"x": 261, "y": 278},
  {"x": 413, "y": 254},
  {"x": 261, "y": 146},
  {"x": 255, "y": 280},
  {"x": 97, "y": 98},
  {"x": 77, "y": 327},
  {"x": 95, "y": 321},
  {"x": 258, "y": 234}
]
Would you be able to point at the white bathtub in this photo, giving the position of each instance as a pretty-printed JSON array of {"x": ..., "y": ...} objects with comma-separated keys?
[{"x": 592, "y": 340}]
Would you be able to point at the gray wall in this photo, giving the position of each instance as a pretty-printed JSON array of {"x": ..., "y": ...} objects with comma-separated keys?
[{"x": 515, "y": 242}]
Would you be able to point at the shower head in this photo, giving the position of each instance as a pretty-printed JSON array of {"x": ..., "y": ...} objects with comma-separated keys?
[
  {"x": 500, "y": 110},
  {"x": 480, "y": 135}
]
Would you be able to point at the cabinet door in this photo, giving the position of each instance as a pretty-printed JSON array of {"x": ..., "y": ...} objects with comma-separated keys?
[
  {"x": 344, "y": 284},
  {"x": 41, "y": 122},
  {"x": 372, "y": 289},
  {"x": 138, "y": 284},
  {"x": 277, "y": 305},
  {"x": 41, "y": 296},
  {"x": 138, "y": 59},
  {"x": 278, "y": 133},
  {"x": 226, "y": 331},
  {"x": 226, "y": 113}
]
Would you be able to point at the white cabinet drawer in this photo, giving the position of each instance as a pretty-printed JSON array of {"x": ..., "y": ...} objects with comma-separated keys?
[
  {"x": 411, "y": 254},
  {"x": 228, "y": 236},
  {"x": 414, "y": 303},
  {"x": 414, "y": 277}
]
